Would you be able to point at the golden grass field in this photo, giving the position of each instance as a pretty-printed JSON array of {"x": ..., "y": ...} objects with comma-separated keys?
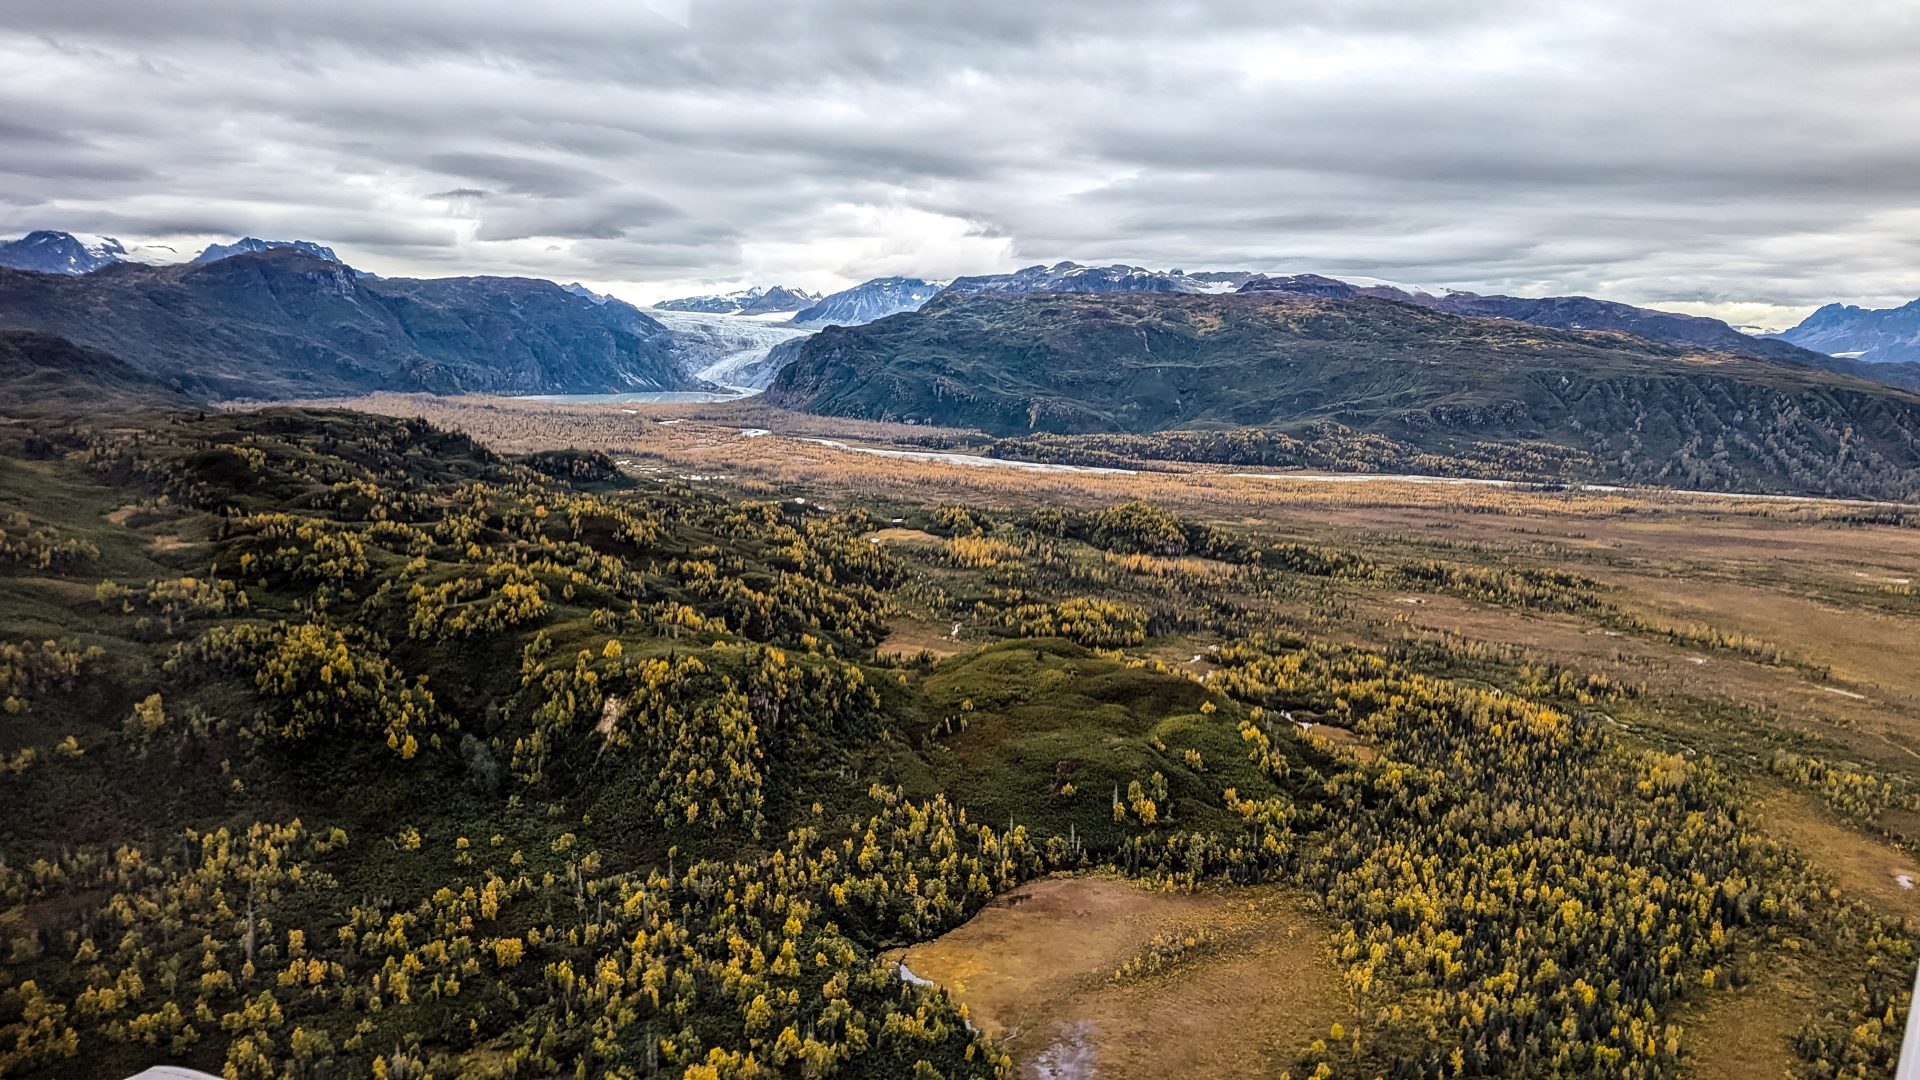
[{"x": 1036, "y": 970}]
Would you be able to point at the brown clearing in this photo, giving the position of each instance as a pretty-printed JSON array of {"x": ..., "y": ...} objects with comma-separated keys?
[
  {"x": 906, "y": 637},
  {"x": 1869, "y": 648},
  {"x": 1744, "y": 1034},
  {"x": 1867, "y": 869},
  {"x": 1881, "y": 731},
  {"x": 707, "y": 440},
  {"x": 903, "y": 536},
  {"x": 1339, "y": 738},
  {"x": 1035, "y": 970}
]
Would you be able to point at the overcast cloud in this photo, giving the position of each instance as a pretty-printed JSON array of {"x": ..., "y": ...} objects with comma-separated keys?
[{"x": 1748, "y": 159}]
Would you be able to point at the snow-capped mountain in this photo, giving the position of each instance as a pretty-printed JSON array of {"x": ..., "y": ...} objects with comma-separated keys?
[
  {"x": 1073, "y": 277},
  {"x": 1875, "y": 335},
  {"x": 51, "y": 252},
  {"x": 726, "y": 349},
  {"x": 582, "y": 291},
  {"x": 248, "y": 244},
  {"x": 754, "y": 301},
  {"x": 779, "y": 299},
  {"x": 868, "y": 301}
]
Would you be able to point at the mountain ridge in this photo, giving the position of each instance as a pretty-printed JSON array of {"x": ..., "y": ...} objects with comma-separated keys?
[
  {"x": 873, "y": 299},
  {"x": 251, "y": 245},
  {"x": 1868, "y": 335},
  {"x": 756, "y": 300},
  {"x": 50, "y": 251},
  {"x": 1140, "y": 363},
  {"x": 282, "y": 323},
  {"x": 40, "y": 372}
]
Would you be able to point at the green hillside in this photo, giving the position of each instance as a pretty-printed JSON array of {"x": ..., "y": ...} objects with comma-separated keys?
[{"x": 44, "y": 373}]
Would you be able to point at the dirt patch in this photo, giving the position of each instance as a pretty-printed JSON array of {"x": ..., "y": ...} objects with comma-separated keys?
[
  {"x": 902, "y": 536},
  {"x": 53, "y": 913},
  {"x": 1339, "y": 738},
  {"x": 1036, "y": 971},
  {"x": 122, "y": 515},
  {"x": 170, "y": 542},
  {"x": 1863, "y": 647},
  {"x": 907, "y": 638},
  {"x": 1744, "y": 1034}
]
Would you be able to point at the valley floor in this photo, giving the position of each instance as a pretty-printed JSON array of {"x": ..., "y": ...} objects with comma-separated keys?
[
  {"x": 737, "y": 750},
  {"x": 1759, "y": 631}
]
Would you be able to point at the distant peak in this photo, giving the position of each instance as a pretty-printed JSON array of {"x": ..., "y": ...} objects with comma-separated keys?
[
  {"x": 248, "y": 245},
  {"x": 757, "y": 300},
  {"x": 50, "y": 251}
]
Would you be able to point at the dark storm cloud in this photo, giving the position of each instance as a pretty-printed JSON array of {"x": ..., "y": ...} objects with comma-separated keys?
[{"x": 1719, "y": 153}]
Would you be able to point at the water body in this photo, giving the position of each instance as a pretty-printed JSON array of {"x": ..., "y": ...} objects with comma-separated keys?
[{"x": 658, "y": 397}]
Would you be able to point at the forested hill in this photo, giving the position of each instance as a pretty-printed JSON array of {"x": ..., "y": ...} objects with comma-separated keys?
[
  {"x": 1141, "y": 363},
  {"x": 42, "y": 373},
  {"x": 282, "y": 323}
]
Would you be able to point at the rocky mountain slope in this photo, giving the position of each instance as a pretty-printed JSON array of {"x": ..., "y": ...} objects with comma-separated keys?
[
  {"x": 282, "y": 323},
  {"x": 51, "y": 252},
  {"x": 247, "y": 245},
  {"x": 1873, "y": 336},
  {"x": 41, "y": 371},
  {"x": 1146, "y": 363},
  {"x": 1588, "y": 313},
  {"x": 868, "y": 301},
  {"x": 1075, "y": 278}
]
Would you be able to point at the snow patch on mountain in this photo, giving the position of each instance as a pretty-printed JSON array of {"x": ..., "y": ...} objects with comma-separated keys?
[
  {"x": 51, "y": 252},
  {"x": 754, "y": 301}
]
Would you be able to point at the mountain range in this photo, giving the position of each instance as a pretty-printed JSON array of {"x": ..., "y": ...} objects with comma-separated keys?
[
  {"x": 867, "y": 301},
  {"x": 753, "y": 301},
  {"x": 1872, "y": 336},
  {"x": 1074, "y": 278},
  {"x": 1587, "y": 313},
  {"x": 283, "y": 323},
  {"x": 247, "y": 245},
  {"x": 1646, "y": 411},
  {"x": 271, "y": 318}
]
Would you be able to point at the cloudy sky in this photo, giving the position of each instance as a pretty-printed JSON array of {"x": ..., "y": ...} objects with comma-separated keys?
[{"x": 1746, "y": 158}]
